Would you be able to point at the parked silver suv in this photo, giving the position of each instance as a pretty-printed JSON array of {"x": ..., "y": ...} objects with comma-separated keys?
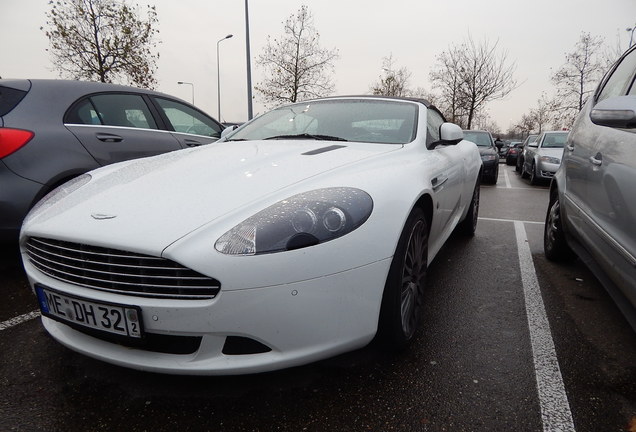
[{"x": 592, "y": 209}]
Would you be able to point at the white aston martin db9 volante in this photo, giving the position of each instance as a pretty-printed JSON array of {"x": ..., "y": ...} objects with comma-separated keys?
[{"x": 303, "y": 234}]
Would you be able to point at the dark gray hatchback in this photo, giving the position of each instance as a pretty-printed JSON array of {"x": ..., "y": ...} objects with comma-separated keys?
[{"x": 54, "y": 130}]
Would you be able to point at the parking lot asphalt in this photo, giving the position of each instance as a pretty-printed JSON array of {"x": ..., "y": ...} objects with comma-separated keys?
[{"x": 485, "y": 358}]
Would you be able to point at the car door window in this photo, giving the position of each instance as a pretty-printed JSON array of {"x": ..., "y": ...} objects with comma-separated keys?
[
  {"x": 125, "y": 110},
  {"x": 188, "y": 120},
  {"x": 621, "y": 79},
  {"x": 83, "y": 112}
]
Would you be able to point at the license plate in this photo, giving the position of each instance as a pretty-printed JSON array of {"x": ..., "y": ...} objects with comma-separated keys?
[{"x": 109, "y": 317}]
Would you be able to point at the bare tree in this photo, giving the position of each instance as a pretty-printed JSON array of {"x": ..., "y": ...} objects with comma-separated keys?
[
  {"x": 577, "y": 78},
  {"x": 392, "y": 82},
  {"x": 471, "y": 75},
  {"x": 422, "y": 93},
  {"x": 539, "y": 118},
  {"x": 611, "y": 53},
  {"x": 512, "y": 132},
  {"x": 297, "y": 68},
  {"x": 543, "y": 114},
  {"x": 526, "y": 125},
  {"x": 483, "y": 121},
  {"x": 447, "y": 77},
  {"x": 103, "y": 40}
]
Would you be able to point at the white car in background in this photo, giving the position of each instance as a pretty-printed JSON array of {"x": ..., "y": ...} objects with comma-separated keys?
[{"x": 304, "y": 235}]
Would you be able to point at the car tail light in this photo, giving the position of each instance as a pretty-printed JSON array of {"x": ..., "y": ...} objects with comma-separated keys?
[{"x": 12, "y": 139}]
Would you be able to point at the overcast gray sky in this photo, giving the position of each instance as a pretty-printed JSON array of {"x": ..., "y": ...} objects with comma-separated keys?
[{"x": 536, "y": 34}]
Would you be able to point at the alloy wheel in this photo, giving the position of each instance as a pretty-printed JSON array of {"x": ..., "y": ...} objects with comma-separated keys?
[{"x": 413, "y": 274}]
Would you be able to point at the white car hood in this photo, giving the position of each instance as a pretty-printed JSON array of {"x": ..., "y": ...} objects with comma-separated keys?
[
  {"x": 149, "y": 203},
  {"x": 552, "y": 152}
]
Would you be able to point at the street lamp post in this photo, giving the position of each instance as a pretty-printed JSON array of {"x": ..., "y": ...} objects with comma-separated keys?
[
  {"x": 190, "y": 84},
  {"x": 249, "y": 64},
  {"x": 218, "y": 73}
]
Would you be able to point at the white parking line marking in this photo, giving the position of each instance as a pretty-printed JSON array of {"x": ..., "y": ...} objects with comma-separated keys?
[
  {"x": 510, "y": 220},
  {"x": 507, "y": 179},
  {"x": 18, "y": 320},
  {"x": 555, "y": 409}
]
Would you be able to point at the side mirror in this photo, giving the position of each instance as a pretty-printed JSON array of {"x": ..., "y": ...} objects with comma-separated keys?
[
  {"x": 225, "y": 132},
  {"x": 616, "y": 112},
  {"x": 449, "y": 134}
]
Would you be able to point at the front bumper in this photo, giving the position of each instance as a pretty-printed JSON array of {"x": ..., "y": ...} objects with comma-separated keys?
[
  {"x": 546, "y": 170},
  {"x": 490, "y": 168},
  {"x": 299, "y": 322}
]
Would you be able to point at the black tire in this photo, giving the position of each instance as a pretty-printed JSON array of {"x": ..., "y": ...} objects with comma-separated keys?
[
  {"x": 524, "y": 174},
  {"x": 403, "y": 291},
  {"x": 555, "y": 245},
  {"x": 534, "y": 179},
  {"x": 495, "y": 176},
  {"x": 468, "y": 226},
  {"x": 519, "y": 164}
]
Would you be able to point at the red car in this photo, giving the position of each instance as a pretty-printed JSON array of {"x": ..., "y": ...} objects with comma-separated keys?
[{"x": 513, "y": 153}]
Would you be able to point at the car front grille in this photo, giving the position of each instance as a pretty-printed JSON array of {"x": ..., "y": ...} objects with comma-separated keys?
[{"x": 118, "y": 271}]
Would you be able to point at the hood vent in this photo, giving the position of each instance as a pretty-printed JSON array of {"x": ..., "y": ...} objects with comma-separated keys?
[{"x": 323, "y": 150}]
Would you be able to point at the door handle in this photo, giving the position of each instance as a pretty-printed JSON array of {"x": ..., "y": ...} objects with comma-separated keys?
[
  {"x": 106, "y": 137},
  {"x": 570, "y": 147},
  {"x": 192, "y": 143},
  {"x": 597, "y": 160}
]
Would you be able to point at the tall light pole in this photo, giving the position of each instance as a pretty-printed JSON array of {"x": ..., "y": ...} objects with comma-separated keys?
[
  {"x": 249, "y": 65},
  {"x": 189, "y": 83},
  {"x": 218, "y": 73}
]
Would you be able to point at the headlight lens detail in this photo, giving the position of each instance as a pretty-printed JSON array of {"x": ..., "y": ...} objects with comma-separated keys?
[
  {"x": 300, "y": 221},
  {"x": 334, "y": 220},
  {"x": 550, "y": 159},
  {"x": 488, "y": 157}
]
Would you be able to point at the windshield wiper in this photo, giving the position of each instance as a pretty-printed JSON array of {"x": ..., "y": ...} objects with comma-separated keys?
[{"x": 308, "y": 136}]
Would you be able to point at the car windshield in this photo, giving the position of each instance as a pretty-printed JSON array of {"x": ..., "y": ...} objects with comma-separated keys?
[
  {"x": 358, "y": 120},
  {"x": 482, "y": 139},
  {"x": 555, "y": 140}
]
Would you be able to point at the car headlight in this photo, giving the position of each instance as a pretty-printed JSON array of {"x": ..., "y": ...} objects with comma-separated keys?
[
  {"x": 550, "y": 159},
  {"x": 302, "y": 220},
  {"x": 57, "y": 194},
  {"x": 486, "y": 158}
]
